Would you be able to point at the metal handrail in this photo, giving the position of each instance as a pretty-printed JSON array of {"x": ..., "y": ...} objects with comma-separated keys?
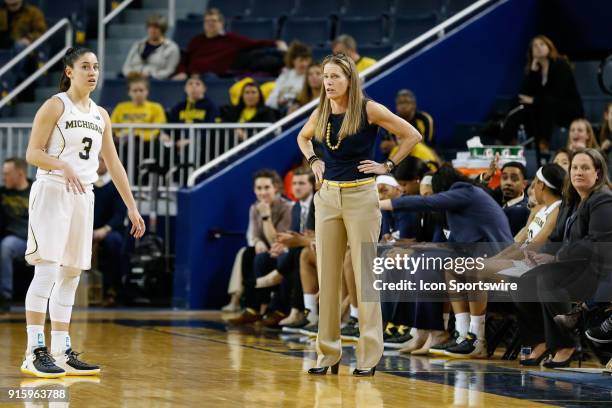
[
  {"x": 104, "y": 19},
  {"x": 24, "y": 53},
  {"x": 435, "y": 31}
]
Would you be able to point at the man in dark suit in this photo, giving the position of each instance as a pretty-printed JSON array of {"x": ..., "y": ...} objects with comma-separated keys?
[
  {"x": 289, "y": 294},
  {"x": 513, "y": 198},
  {"x": 511, "y": 192},
  {"x": 108, "y": 234}
]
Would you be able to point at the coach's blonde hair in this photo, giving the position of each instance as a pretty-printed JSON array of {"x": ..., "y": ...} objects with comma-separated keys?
[{"x": 353, "y": 118}]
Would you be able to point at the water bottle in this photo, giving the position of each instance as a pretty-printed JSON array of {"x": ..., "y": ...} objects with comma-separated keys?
[
  {"x": 525, "y": 352},
  {"x": 521, "y": 135}
]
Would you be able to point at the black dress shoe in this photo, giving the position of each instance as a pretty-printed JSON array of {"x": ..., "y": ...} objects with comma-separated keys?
[
  {"x": 323, "y": 370},
  {"x": 565, "y": 363},
  {"x": 532, "y": 362},
  {"x": 364, "y": 372}
]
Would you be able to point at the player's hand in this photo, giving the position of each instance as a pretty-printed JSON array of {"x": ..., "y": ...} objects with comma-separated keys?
[
  {"x": 73, "y": 183},
  {"x": 260, "y": 247},
  {"x": 488, "y": 175},
  {"x": 372, "y": 167},
  {"x": 138, "y": 225},
  {"x": 100, "y": 233},
  {"x": 385, "y": 205},
  {"x": 525, "y": 99},
  {"x": 318, "y": 168}
]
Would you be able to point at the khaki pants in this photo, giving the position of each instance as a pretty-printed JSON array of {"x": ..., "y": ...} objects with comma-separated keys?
[{"x": 347, "y": 215}]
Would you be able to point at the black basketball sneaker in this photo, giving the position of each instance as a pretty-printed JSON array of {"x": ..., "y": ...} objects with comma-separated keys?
[
  {"x": 40, "y": 364},
  {"x": 70, "y": 362}
]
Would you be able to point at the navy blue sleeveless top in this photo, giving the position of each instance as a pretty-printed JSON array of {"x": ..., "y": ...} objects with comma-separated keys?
[{"x": 341, "y": 164}]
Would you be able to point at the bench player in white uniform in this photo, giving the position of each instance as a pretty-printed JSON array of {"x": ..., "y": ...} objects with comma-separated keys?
[
  {"x": 547, "y": 187},
  {"x": 68, "y": 134}
]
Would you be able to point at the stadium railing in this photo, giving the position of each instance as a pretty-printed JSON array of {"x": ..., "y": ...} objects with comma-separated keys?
[
  {"x": 172, "y": 146},
  {"x": 62, "y": 24}
]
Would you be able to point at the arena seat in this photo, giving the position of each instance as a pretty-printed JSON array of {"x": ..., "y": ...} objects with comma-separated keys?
[
  {"x": 312, "y": 31},
  {"x": 319, "y": 8},
  {"x": 232, "y": 8},
  {"x": 258, "y": 28},
  {"x": 414, "y": 8},
  {"x": 363, "y": 8},
  {"x": 272, "y": 8},
  {"x": 365, "y": 30},
  {"x": 185, "y": 30},
  {"x": 404, "y": 29},
  {"x": 587, "y": 79}
]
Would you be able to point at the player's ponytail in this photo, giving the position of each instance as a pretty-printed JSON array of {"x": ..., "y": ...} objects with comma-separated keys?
[{"x": 71, "y": 56}]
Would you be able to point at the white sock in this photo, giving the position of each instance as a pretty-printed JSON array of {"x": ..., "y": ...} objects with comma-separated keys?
[
  {"x": 445, "y": 317},
  {"x": 462, "y": 323},
  {"x": 413, "y": 331},
  {"x": 60, "y": 342},
  {"x": 310, "y": 303},
  {"x": 36, "y": 337},
  {"x": 477, "y": 326},
  {"x": 354, "y": 312}
]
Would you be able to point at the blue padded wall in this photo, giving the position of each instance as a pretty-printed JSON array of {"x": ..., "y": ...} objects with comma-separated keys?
[{"x": 456, "y": 79}]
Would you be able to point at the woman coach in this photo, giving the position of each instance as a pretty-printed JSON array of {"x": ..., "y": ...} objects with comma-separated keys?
[{"x": 346, "y": 123}]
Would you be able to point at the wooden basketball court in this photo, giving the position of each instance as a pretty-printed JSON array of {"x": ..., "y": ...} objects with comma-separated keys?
[{"x": 190, "y": 359}]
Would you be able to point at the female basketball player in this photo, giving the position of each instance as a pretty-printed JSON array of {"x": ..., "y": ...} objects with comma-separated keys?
[
  {"x": 346, "y": 124},
  {"x": 68, "y": 134}
]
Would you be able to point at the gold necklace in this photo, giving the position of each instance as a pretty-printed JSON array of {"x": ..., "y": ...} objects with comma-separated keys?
[{"x": 328, "y": 138}]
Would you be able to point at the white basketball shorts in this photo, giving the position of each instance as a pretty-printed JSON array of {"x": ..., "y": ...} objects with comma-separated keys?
[{"x": 60, "y": 224}]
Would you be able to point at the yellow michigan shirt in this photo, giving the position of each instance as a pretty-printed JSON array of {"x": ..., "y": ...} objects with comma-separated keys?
[{"x": 149, "y": 112}]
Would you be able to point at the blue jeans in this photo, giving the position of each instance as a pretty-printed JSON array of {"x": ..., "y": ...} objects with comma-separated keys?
[{"x": 10, "y": 248}]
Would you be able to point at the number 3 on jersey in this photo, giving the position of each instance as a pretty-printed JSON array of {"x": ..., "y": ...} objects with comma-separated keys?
[{"x": 86, "y": 148}]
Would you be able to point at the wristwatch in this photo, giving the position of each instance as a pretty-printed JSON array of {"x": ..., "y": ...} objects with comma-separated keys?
[{"x": 390, "y": 165}]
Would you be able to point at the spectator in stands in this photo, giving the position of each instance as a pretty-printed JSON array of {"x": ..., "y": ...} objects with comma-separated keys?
[
  {"x": 345, "y": 44},
  {"x": 155, "y": 56},
  {"x": 562, "y": 158},
  {"x": 549, "y": 91},
  {"x": 214, "y": 50},
  {"x": 108, "y": 234},
  {"x": 270, "y": 215},
  {"x": 14, "y": 196},
  {"x": 583, "y": 224},
  {"x": 197, "y": 107},
  {"x": 473, "y": 216},
  {"x": 251, "y": 107},
  {"x": 311, "y": 89},
  {"x": 20, "y": 24},
  {"x": 290, "y": 82},
  {"x": 406, "y": 108},
  {"x": 605, "y": 130},
  {"x": 139, "y": 109},
  {"x": 581, "y": 135}
]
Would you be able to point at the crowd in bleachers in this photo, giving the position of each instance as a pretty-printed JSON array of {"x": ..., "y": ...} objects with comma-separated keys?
[{"x": 557, "y": 222}]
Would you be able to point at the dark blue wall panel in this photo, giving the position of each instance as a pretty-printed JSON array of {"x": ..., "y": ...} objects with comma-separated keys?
[{"x": 456, "y": 79}]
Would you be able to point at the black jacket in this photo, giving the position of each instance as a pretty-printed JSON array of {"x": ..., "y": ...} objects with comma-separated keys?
[
  {"x": 559, "y": 95},
  {"x": 585, "y": 232}
]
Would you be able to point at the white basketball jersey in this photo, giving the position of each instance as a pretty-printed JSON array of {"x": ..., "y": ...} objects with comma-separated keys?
[
  {"x": 77, "y": 140},
  {"x": 539, "y": 220}
]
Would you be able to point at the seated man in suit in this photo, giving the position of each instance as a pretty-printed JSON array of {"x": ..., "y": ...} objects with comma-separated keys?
[
  {"x": 288, "y": 296},
  {"x": 14, "y": 198},
  {"x": 108, "y": 234}
]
